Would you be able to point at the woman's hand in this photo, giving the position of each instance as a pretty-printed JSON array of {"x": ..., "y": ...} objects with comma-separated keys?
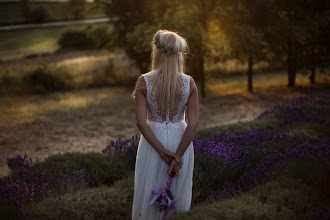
[
  {"x": 174, "y": 166},
  {"x": 168, "y": 157}
]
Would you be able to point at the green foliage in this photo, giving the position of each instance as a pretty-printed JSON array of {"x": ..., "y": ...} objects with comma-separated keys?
[{"x": 138, "y": 44}]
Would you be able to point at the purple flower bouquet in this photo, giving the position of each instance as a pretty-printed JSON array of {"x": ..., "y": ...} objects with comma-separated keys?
[{"x": 164, "y": 198}]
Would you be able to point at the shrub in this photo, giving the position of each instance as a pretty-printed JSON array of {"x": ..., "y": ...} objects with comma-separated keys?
[
  {"x": 6, "y": 81},
  {"x": 75, "y": 39},
  {"x": 47, "y": 78},
  {"x": 91, "y": 37},
  {"x": 101, "y": 36},
  {"x": 110, "y": 77},
  {"x": 40, "y": 14}
]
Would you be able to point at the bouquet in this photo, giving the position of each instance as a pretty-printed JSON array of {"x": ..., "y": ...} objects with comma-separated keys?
[{"x": 164, "y": 198}]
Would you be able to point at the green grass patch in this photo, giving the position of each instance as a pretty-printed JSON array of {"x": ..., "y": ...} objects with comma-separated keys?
[
  {"x": 10, "y": 12},
  {"x": 300, "y": 192},
  {"x": 21, "y": 43},
  {"x": 103, "y": 169},
  {"x": 102, "y": 202}
]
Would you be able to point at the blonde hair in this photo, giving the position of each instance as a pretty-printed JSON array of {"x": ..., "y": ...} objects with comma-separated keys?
[{"x": 165, "y": 68}]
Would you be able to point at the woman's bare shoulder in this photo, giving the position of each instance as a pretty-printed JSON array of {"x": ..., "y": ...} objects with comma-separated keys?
[
  {"x": 191, "y": 78},
  {"x": 141, "y": 84},
  {"x": 141, "y": 78},
  {"x": 192, "y": 84}
]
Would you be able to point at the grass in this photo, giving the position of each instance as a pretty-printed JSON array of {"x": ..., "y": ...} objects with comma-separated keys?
[
  {"x": 278, "y": 199},
  {"x": 21, "y": 43},
  {"x": 78, "y": 102},
  {"x": 299, "y": 192},
  {"x": 10, "y": 12},
  {"x": 104, "y": 202}
]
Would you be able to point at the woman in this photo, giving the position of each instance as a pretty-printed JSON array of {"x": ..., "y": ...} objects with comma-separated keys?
[{"x": 165, "y": 148}]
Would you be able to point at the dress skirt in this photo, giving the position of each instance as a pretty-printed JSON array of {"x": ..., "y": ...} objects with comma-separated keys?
[{"x": 151, "y": 171}]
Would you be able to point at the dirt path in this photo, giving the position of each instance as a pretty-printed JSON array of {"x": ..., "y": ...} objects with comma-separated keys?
[{"x": 83, "y": 120}]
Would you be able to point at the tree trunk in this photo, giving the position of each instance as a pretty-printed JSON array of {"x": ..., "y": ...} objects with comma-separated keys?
[
  {"x": 312, "y": 76},
  {"x": 291, "y": 64},
  {"x": 202, "y": 74},
  {"x": 250, "y": 72},
  {"x": 200, "y": 64}
]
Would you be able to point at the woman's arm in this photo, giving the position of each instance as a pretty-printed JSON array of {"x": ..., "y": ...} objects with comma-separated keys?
[
  {"x": 141, "y": 117},
  {"x": 193, "y": 119},
  {"x": 189, "y": 134}
]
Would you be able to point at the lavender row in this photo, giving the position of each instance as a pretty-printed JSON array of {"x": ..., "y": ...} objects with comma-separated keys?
[
  {"x": 31, "y": 184},
  {"x": 300, "y": 110},
  {"x": 236, "y": 150},
  {"x": 264, "y": 169},
  {"x": 129, "y": 145}
]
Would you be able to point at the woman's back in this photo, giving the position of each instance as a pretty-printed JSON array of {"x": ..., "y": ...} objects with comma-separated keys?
[{"x": 181, "y": 98}]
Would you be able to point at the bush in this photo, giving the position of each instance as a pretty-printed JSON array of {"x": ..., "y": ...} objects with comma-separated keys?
[
  {"x": 91, "y": 37},
  {"x": 75, "y": 39},
  {"x": 47, "y": 78},
  {"x": 6, "y": 82},
  {"x": 40, "y": 14},
  {"x": 101, "y": 36},
  {"x": 110, "y": 77}
]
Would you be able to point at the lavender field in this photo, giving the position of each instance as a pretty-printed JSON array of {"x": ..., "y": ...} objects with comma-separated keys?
[{"x": 274, "y": 167}]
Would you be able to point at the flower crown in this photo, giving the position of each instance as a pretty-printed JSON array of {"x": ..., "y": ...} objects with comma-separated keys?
[{"x": 163, "y": 49}]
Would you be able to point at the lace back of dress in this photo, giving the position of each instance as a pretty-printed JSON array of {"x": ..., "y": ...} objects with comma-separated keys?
[{"x": 181, "y": 98}]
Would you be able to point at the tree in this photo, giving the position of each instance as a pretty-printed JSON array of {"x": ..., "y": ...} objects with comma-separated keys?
[
  {"x": 189, "y": 17},
  {"x": 301, "y": 24},
  {"x": 245, "y": 23},
  {"x": 200, "y": 13},
  {"x": 314, "y": 36},
  {"x": 131, "y": 16}
]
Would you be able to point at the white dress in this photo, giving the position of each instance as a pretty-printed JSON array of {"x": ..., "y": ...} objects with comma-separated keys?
[{"x": 150, "y": 168}]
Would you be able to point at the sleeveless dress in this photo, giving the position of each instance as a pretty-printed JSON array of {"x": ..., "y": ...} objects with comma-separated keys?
[{"x": 150, "y": 168}]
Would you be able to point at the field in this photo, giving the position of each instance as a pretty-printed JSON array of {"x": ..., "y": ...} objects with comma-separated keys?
[
  {"x": 68, "y": 149},
  {"x": 70, "y": 129}
]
